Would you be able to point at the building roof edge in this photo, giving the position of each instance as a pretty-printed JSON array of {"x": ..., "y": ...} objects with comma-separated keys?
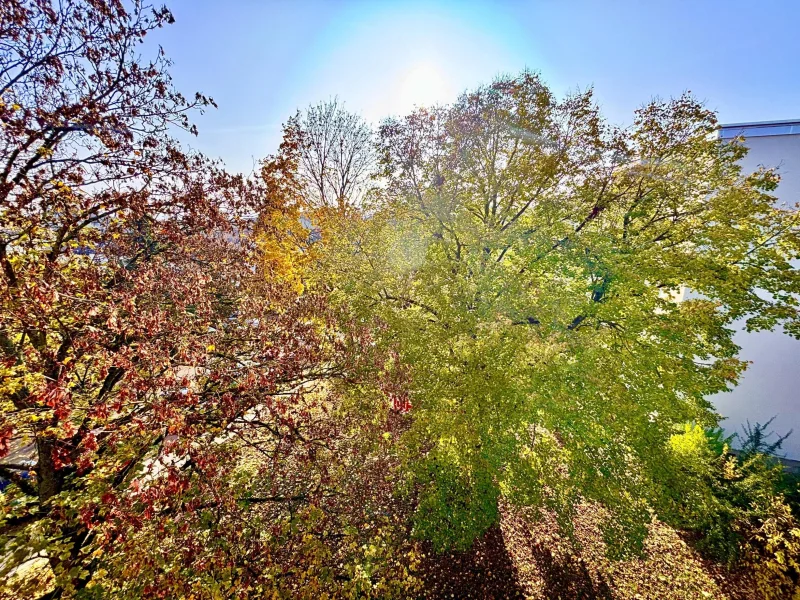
[{"x": 761, "y": 123}]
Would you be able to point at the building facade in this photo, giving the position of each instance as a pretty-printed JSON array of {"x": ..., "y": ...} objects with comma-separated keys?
[{"x": 771, "y": 385}]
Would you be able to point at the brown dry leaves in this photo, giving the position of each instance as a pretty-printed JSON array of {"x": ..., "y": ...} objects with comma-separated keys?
[{"x": 549, "y": 566}]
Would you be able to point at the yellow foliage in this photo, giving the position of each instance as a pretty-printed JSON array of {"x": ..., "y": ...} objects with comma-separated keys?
[
  {"x": 778, "y": 537},
  {"x": 282, "y": 240}
]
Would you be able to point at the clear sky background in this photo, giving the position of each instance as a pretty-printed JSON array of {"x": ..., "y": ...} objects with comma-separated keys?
[{"x": 261, "y": 60}]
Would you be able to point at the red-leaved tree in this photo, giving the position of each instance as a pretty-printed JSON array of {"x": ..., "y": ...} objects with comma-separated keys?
[{"x": 168, "y": 425}]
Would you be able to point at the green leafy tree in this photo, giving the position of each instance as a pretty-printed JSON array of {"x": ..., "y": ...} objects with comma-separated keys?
[{"x": 524, "y": 259}]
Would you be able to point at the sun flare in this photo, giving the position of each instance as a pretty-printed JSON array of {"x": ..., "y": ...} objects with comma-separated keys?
[{"x": 424, "y": 85}]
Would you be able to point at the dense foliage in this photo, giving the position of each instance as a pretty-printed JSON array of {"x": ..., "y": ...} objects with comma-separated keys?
[
  {"x": 172, "y": 393},
  {"x": 525, "y": 257},
  {"x": 296, "y": 384}
]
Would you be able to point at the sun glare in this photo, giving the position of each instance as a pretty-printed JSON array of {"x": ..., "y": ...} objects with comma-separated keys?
[{"x": 423, "y": 85}]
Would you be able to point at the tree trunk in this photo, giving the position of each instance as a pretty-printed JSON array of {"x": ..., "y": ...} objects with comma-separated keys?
[{"x": 49, "y": 480}]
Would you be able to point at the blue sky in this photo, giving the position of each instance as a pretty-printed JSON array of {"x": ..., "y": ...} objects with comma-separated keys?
[{"x": 261, "y": 60}]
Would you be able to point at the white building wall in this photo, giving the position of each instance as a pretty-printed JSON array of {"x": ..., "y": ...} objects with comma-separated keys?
[{"x": 771, "y": 385}]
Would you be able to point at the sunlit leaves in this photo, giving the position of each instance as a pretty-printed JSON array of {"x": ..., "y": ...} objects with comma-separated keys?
[{"x": 526, "y": 259}]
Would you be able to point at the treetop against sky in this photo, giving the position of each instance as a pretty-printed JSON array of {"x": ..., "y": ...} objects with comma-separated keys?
[{"x": 263, "y": 60}]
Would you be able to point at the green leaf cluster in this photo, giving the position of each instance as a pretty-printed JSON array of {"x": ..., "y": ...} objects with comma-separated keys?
[{"x": 527, "y": 264}]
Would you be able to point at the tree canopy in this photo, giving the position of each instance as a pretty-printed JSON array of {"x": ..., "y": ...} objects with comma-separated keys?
[
  {"x": 295, "y": 384},
  {"x": 164, "y": 380},
  {"x": 526, "y": 259}
]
